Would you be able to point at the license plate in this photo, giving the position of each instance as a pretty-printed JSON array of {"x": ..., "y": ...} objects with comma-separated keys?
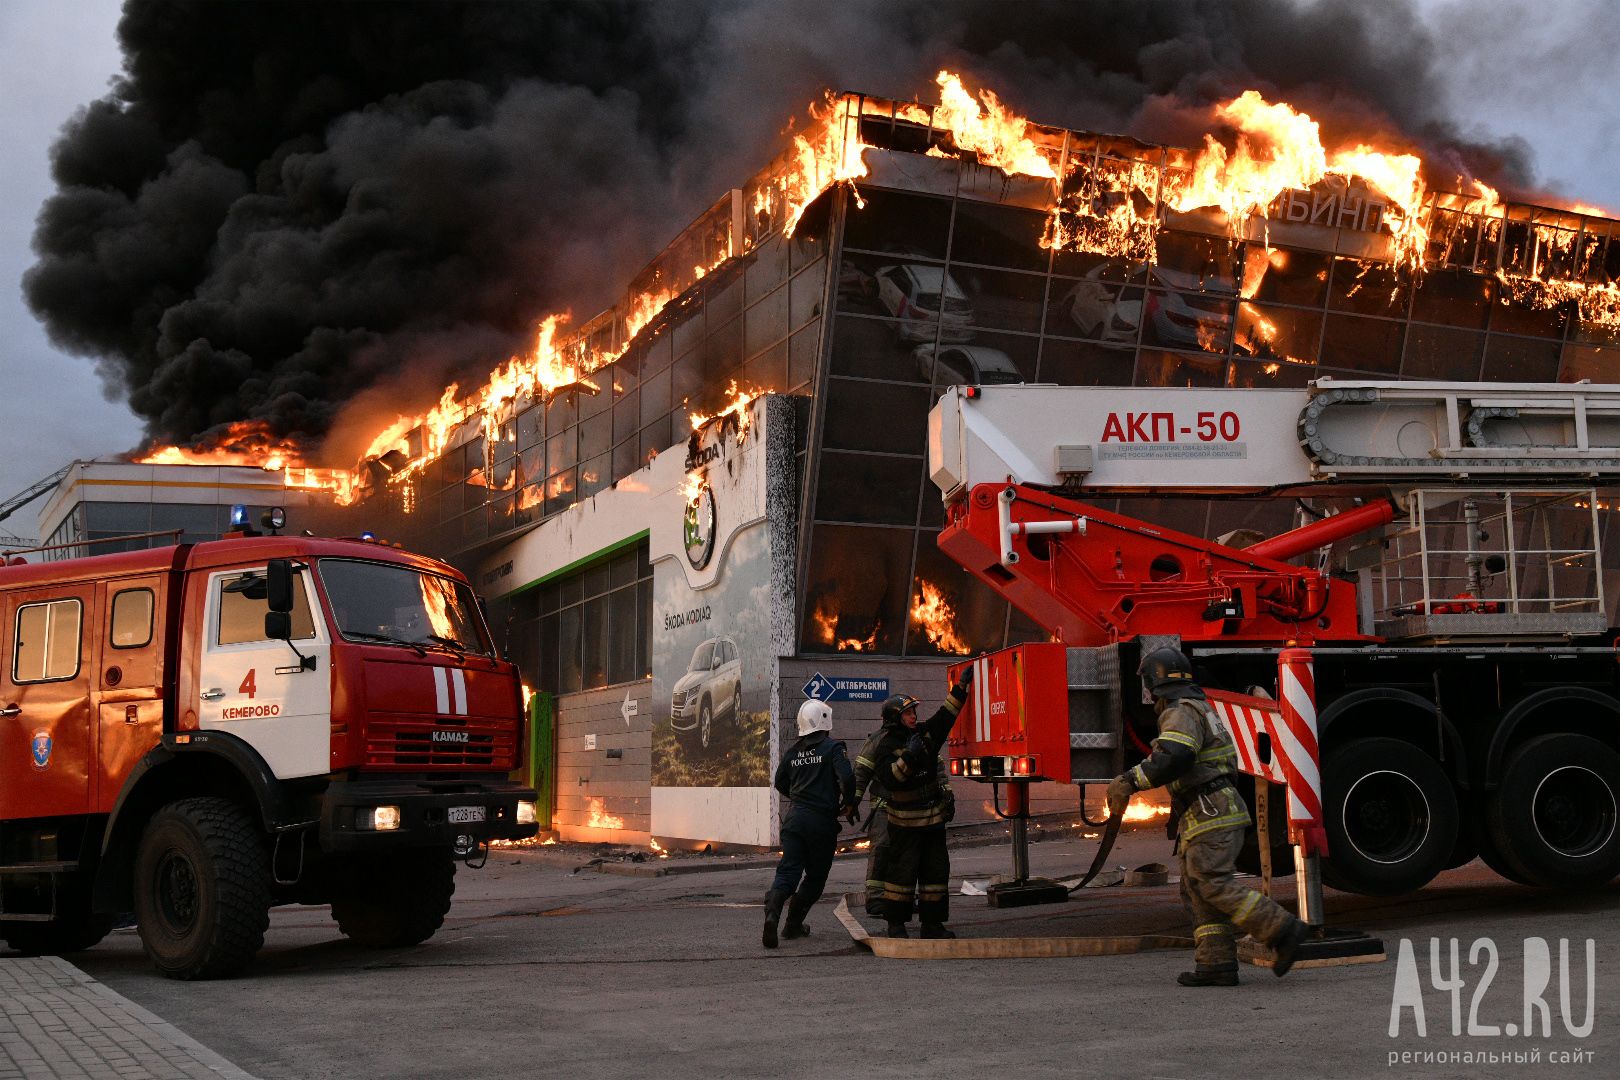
[{"x": 462, "y": 815}]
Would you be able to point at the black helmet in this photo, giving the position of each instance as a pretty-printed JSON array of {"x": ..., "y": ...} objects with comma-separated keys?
[
  {"x": 896, "y": 707},
  {"x": 1167, "y": 673}
]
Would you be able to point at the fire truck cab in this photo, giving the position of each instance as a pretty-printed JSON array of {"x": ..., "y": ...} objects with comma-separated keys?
[{"x": 196, "y": 733}]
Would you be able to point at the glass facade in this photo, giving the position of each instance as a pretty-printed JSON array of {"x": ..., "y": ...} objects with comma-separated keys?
[
  {"x": 583, "y": 630},
  {"x": 754, "y": 320}
]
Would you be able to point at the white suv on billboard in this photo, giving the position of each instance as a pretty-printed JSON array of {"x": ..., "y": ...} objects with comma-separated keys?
[{"x": 712, "y": 685}]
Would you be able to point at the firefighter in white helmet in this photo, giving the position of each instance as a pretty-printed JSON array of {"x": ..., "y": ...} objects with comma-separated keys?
[{"x": 816, "y": 777}]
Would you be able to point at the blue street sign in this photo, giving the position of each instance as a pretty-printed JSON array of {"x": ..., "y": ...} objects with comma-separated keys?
[{"x": 844, "y": 688}]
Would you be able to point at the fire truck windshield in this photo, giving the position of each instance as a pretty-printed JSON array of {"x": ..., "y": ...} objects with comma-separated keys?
[{"x": 388, "y": 603}]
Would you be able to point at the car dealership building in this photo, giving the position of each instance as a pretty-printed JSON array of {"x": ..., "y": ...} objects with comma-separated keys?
[{"x": 673, "y": 594}]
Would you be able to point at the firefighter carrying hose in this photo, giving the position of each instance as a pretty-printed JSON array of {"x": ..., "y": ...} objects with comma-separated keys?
[
  {"x": 909, "y": 867},
  {"x": 816, "y": 777},
  {"x": 1195, "y": 757}
]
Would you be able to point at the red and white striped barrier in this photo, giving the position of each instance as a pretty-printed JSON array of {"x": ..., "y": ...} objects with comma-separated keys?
[{"x": 1290, "y": 723}]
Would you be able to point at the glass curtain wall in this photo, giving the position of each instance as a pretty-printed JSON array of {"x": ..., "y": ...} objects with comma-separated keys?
[{"x": 754, "y": 321}]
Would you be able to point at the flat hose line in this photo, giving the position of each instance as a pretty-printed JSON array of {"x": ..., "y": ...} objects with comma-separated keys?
[{"x": 999, "y": 948}]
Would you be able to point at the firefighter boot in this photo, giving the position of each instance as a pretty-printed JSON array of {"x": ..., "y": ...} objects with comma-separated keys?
[
  {"x": 1286, "y": 946},
  {"x": 1210, "y": 975},
  {"x": 936, "y": 930},
  {"x": 773, "y": 914},
  {"x": 795, "y": 928},
  {"x": 897, "y": 928}
]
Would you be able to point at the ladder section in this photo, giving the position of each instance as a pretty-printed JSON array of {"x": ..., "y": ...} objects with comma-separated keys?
[{"x": 1411, "y": 430}]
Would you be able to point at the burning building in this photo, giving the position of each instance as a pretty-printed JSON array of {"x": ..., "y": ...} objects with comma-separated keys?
[{"x": 712, "y": 499}]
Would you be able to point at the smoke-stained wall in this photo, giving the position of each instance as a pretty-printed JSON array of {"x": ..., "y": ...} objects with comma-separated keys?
[{"x": 307, "y": 214}]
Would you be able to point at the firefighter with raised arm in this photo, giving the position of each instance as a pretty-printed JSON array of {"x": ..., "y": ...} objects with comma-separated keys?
[
  {"x": 815, "y": 776},
  {"x": 1194, "y": 756},
  {"x": 908, "y": 867}
]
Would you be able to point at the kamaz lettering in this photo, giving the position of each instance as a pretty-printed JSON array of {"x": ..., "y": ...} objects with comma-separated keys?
[{"x": 449, "y": 736}]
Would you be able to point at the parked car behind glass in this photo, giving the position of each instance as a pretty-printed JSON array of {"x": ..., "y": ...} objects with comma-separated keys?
[{"x": 925, "y": 299}]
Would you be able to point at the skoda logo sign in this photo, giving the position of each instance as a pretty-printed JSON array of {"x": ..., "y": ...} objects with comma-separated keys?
[{"x": 700, "y": 528}]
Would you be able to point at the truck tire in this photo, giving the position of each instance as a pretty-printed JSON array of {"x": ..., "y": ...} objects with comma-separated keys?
[
  {"x": 388, "y": 902},
  {"x": 75, "y": 928},
  {"x": 1553, "y": 817},
  {"x": 1391, "y": 817},
  {"x": 202, "y": 889}
]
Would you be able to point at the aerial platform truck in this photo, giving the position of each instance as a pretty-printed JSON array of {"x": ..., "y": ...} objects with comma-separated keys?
[{"x": 1420, "y": 672}]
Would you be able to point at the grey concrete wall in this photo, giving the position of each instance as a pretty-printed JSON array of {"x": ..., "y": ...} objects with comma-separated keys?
[{"x": 623, "y": 785}]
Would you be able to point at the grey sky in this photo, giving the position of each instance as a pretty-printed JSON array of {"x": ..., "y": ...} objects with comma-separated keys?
[{"x": 1538, "y": 71}]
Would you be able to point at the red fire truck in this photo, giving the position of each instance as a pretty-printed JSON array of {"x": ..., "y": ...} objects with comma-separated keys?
[
  {"x": 199, "y": 732},
  {"x": 1425, "y": 661}
]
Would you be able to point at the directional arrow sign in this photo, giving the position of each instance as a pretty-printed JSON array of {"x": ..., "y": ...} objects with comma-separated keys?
[{"x": 628, "y": 709}]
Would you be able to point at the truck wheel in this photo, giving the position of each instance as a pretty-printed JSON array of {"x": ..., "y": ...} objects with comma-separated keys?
[
  {"x": 1553, "y": 817},
  {"x": 202, "y": 889},
  {"x": 389, "y": 902},
  {"x": 1391, "y": 817},
  {"x": 75, "y": 929}
]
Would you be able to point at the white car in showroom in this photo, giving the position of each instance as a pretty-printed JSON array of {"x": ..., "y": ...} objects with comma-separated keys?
[
  {"x": 711, "y": 687},
  {"x": 972, "y": 365},
  {"x": 1182, "y": 310},
  {"x": 925, "y": 299}
]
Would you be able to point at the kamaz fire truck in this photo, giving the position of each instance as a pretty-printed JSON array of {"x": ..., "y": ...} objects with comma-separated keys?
[
  {"x": 1424, "y": 661},
  {"x": 196, "y": 733}
]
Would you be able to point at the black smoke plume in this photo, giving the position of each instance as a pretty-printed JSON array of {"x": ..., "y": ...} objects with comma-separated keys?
[{"x": 283, "y": 205}]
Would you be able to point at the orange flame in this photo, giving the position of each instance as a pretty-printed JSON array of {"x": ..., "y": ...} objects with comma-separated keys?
[
  {"x": 1276, "y": 149},
  {"x": 599, "y": 818},
  {"x": 830, "y": 153},
  {"x": 658, "y": 848},
  {"x": 936, "y": 618},
  {"x": 1140, "y": 811},
  {"x": 825, "y": 619},
  {"x": 692, "y": 489},
  {"x": 437, "y": 594},
  {"x": 737, "y": 406},
  {"x": 989, "y": 130},
  {"x": 250, "y": 444}
]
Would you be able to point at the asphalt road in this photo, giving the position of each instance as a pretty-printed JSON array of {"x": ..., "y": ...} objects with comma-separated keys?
[{"x": 544, "y": 972}]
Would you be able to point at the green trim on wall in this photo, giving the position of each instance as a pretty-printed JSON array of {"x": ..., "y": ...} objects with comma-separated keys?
[{"x": 579, "y": 564}]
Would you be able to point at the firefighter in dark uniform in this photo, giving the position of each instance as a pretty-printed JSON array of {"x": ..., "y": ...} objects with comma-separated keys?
[
  {"x": 815, "y": 775},
  {"x": 909, "y": 867},
  {"x": 1195, "y": 757}
]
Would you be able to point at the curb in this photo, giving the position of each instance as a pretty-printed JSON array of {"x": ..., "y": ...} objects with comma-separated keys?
[
  {"x": 999, "y": 948},
  {"x": 203, "y": 1056}
]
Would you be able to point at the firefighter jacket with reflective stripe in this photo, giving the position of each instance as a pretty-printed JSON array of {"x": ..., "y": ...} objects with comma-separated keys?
[
  {"x": 815, "y": 774},
  {"x": 1192, "y": 753},
  {"x": 913, "y": 794}
]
